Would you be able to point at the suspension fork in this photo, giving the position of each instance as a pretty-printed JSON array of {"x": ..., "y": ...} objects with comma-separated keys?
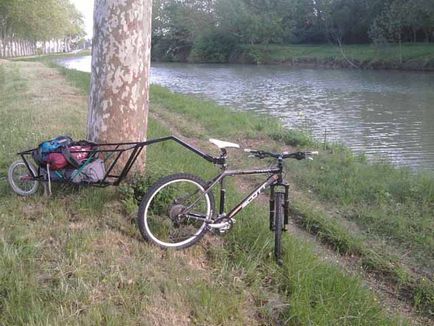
[
  {"x": 272, "y": 208},
  {"x": 286, "y": 208}
]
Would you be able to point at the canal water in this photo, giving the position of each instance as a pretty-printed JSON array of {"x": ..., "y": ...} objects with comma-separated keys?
[{"x": 385, "y": 114}]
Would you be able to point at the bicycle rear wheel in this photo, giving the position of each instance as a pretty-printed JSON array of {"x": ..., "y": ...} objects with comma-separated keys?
[
  {"x": 278, "y": 226},
  {"x": 175, "y": 210}
]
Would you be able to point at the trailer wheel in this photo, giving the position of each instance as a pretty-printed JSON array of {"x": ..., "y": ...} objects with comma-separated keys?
[{"x": 21, "y": 180}]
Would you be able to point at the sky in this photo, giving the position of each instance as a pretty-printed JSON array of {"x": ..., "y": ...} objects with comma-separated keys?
[{"x": 86, "y": 8}]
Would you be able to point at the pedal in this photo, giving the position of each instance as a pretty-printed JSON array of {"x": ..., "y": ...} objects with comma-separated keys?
[{"x": 221, "y": 227}]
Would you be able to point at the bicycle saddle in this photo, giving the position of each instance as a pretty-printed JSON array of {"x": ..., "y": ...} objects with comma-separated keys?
[{"x": 223, "y": 144}]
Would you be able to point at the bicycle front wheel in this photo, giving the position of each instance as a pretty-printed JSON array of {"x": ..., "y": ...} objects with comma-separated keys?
[{"x": 175, "y": 211}]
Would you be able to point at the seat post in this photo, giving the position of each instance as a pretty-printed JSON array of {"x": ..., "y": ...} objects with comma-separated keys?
[{"x": 223, "y": 155}]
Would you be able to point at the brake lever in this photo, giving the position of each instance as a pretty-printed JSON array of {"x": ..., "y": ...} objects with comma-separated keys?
[
  {"x": 308, "y": 155},
  {"x": 254, "y": 153},
  {"x": 248, "y": 150}
]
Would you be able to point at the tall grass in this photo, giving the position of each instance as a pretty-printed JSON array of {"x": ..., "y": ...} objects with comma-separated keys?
[
  {"x": 81, "y": 261},
  {"x": 75, "y": 258},
  {"x": 391, "y": 202},
  {"x": 310, "y": 292}
]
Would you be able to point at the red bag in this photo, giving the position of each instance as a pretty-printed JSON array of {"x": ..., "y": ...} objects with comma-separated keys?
[
  {"x": 82, "y": 152},
  {"x": 57, "y": 161}
]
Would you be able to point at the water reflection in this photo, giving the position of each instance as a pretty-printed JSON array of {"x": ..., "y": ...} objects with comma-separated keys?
[{"x": 387, "y": 113}]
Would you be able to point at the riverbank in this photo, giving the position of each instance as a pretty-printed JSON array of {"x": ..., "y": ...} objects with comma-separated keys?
[
  {"x": 98, "y": 270},
  {"x": 369, "y": 211},
  {"x": 417, "y": 57}
]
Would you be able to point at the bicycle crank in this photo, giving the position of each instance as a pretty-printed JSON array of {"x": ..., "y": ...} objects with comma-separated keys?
[{"x": 222, "y": 227}]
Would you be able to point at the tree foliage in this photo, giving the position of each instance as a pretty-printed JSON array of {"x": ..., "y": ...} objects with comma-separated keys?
[
  {"x": 31, "y": 21},
  {"x": 192, "y": 28}
]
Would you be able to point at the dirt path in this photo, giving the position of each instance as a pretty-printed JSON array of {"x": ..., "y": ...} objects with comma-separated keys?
[{"x": 386, "y": 292}]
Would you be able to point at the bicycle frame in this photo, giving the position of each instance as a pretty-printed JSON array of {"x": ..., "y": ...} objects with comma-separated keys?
[
  {"x": 224, "y": 221},
  {"x": 274, "y": 180}
]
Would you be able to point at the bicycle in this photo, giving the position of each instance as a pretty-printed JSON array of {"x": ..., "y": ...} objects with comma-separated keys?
[{"x": 179, "y": 209}]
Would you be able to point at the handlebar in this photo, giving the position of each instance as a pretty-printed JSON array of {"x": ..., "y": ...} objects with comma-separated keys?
[{"x": 296, "y": 155}]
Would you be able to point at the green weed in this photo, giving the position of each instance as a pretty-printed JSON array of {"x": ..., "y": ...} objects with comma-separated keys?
[
  {"x": 380, "y": 198},
  {"x": 96, "y": 269}
]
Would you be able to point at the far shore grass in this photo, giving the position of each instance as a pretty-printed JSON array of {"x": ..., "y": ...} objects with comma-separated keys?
[
  {"x": 386, "y": 205},
  {"x": 409, "y": 56}
]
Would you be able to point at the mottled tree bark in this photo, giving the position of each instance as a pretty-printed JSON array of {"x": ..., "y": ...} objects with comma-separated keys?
[{"x": 121, "y": 55}]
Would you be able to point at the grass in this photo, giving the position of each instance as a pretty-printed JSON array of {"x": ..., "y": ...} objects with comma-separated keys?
[
  {"x": 387, "y": 204},
  {"x": 381, "y": 199},
  {"x": 76, "y": 258},
  {"x": 418, "y": 56}
]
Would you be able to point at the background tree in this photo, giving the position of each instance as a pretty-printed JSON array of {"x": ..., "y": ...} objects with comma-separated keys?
[
  {"x": 26, "y": 23},
  {"x": 212, "y": 30},
  {"x": 121, "y": 54}
]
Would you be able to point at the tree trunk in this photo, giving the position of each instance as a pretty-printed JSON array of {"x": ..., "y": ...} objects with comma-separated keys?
[
  {"x": 9, "y": 48},
  {"x": 5, "y": 47},
  {"x": 121, "y": 53},
  {"x": 14, "y": 48}
]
